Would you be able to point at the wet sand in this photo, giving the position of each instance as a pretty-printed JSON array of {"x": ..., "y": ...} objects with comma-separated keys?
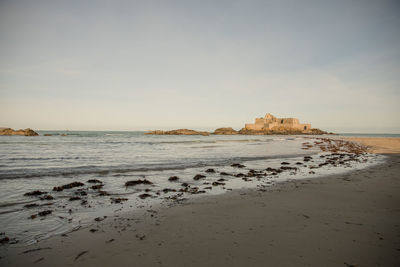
[{"x": 351, "y": 219}]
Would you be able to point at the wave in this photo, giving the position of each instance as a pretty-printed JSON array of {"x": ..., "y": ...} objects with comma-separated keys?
[{"x": 146, "y": 167}]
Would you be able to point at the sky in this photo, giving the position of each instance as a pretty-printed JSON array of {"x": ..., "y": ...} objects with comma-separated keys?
[{"x": 141, "y": 65}]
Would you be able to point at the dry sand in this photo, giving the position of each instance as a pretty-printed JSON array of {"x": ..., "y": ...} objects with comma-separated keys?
[
  {"x": 378, "y": 144},
  {"x": 351, "y": 219}
]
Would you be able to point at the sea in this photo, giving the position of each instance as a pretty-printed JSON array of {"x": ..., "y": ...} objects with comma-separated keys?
[{"x": 56, "y": 158}]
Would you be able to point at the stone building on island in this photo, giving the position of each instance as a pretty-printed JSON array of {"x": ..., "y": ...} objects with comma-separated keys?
[{"x": 269, "y": 122}]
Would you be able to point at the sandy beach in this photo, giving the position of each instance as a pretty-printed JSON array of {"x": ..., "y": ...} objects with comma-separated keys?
[
  {"x": 378, "y": 145},
  {"x": 351, "y": 219}
]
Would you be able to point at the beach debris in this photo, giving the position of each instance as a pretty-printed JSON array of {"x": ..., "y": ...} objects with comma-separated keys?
[
  {"x": 137, "y": 182},
  {"x": 237, "y": 165},
  {"x": 31, "y": 205},
  {"x": 33, "y": 216},
  {"x": 68, "y": 186},
  {"x": 45, "y": 213},
  {"x": 173, "y": 178},
  {"x": 97, "y": 187},
  {"x": 208, "y": 187},
  {"x": 99, "y": 219},
  {"x": 311, "y": 172},
  {"x": 47, "y": 197},
  {"x": 94, "y": 181},
  {"x": 4, "y": 240},
  {"x": 198, "y": 177},
  {"x": 80, "y": 254},
  {"x": 39, "y": 260},
  {"x": 144, "y": 196},
  {"x": 34, "y": 249},
  {"x": 210, "y": 170},
  {"x": 118, "y": 200},
  {"x": 74, "y": 198},
  {"x": 141, "y": 237},
  {"x": 35, "y": 193}
]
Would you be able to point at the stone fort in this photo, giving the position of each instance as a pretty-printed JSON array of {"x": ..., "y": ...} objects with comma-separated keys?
[{"x": 269, "y": 122}]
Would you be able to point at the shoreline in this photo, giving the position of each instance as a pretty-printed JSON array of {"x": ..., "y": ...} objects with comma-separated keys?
[{"x": 227, "y": 229}]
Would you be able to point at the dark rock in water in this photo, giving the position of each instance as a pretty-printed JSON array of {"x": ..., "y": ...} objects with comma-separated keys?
[
  {"x": 224, "y": 173},
  {"x": 210, "y": 170},
  {"x": 311, "y": 172},
  {"x": 96, "y": 187},
  {"x": 307, "y": 158},
  {"x": 173, "y": 178},
  {"x": 184, "y": 184},
  {"x": 35, "y": 193},
  {"x": 103, "y": 193},
  {"x": 237, "y": 165},
  {"x": 94, "y": 181},
  {"x": 217, "y": 183},
  {"x": 145, "y": 195},
  {"x": 299, "y": 163},
  {"x": 45, "y": 213},
  {"x": 137, "y": 182},
  {"x": 68, "y": 186},
  {"x": 178, "y": 132},
  {"x": 33, "y": 216},
  {"x": 74, "y": 198},
  {"x": 4, "y": 240},
  {"x": 198, "y": 177},
  {"x": 240, "y": 175},
  {"x": 81, "y": 193},
  {"x": 93, "y": 230},
  {"x": 47, "y": 197},
  {"x": 221, "y": 180},
  {"x": 31, "y": 206},
  {"x": 285, "y": 163},
  {"x": 118, "y": 200},
  {"x": 166, "y": 190}
]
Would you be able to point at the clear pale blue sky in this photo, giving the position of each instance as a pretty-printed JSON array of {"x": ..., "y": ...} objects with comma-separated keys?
[{"x": 138, "y": 65}]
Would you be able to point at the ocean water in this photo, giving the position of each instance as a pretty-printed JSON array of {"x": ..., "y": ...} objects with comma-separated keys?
[{"x": 43, "y": 162}]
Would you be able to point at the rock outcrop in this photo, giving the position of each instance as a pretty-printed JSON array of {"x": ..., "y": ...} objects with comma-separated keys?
[
  {"x": 26, "y": 132},
  {"x": 227, "y": 131},
  {"x": 282, "y": 130},
  {"x": 178, "y": 132}
]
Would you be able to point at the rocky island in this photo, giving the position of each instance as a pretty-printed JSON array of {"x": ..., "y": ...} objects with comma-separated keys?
[
  {"x": 178, "y": 132},
  {"x": 26, "y": 132},
  {"x": 267, "y": 125}
]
